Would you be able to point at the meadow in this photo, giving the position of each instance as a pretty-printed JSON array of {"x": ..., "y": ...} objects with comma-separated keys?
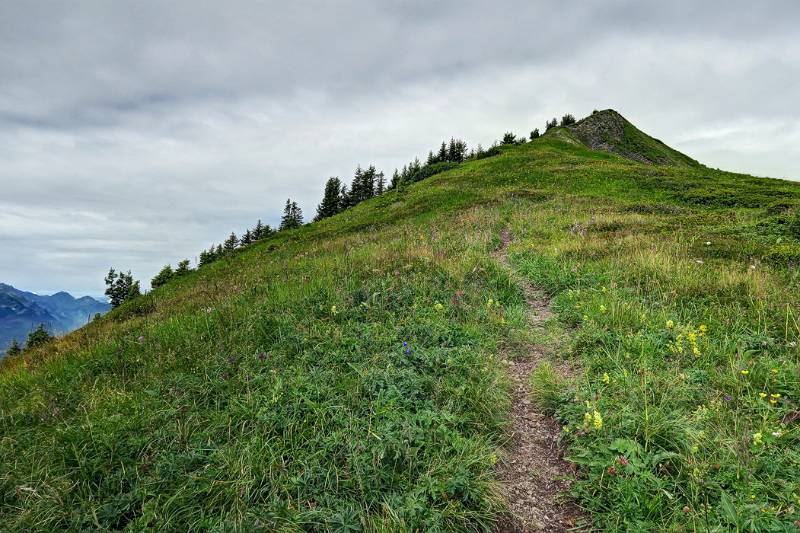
[{"x": 345, "y": 376}]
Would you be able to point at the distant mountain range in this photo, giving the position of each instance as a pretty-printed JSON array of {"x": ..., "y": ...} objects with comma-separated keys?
[{"x": 21, "y": 312}]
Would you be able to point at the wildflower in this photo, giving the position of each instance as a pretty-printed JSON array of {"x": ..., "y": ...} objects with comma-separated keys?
[
  {"x": 757, "y": 439},
  {"x": 566, "y": 429},
  {"x": 623, "y": 461},
  {"x": 490, "y": 303},
  {"x": 606, "y": 378},
  {"x": 687, "y": 509},
  {"x": 493, "y": 458},
  {"x": 745, "y": 372},
  {"x": 670, "y": 324},
  {"x": 585, "y": 318},
  {"x": 703, "y": 329},
  {"x": 696, "y": 351},
  {"x": 774, "y": 370},
  {"x": 141, "y": 338},
  {"x": 602, "y": 308},
  {"x": 612, "y": 470},
  {"x": 695, "y": 449},
  {"x": 728, "y": 397},
  {"x": 708, "y": 243},
  {"x": 597, "y": 420},
  {"x": 777, "y": 434},
  {"x": 438, "y": 306},
  {"x": 334, "y": 312},
  {"x": 773, "y": 401},
  {"x": 762, "y": 395},
  {"x": 776, "y": 395}
]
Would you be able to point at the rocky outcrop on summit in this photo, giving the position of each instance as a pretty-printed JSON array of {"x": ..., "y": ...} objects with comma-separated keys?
[{"x": 610, "y": 132}]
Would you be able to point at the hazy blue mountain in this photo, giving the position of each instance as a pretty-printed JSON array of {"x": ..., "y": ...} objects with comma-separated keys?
[{"x": 22, "y": 311}]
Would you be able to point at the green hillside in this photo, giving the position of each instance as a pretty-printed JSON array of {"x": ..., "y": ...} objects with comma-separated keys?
[{"x": 348, "y": 375}]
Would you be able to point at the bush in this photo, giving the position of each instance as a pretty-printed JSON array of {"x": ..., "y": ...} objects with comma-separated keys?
[
  {"x": 567, "y": 119},
  {"x": 509, "y": 138}
]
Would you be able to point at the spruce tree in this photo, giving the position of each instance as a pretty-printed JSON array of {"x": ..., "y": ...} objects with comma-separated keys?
[
  {"x": 567, "y": 119},
  {"x": 550, "y": 124},
  {"x": 442, "y": 155},
  {"x": 292, "y": 216},
  {"x": 380, "y": 183},
  {"x": 182, "y": 268},
  {"x": 230, "y": 243},
  {"x": 331, "y": 199},
  {"x": 38, "y": 337},
  {"x": 258, "y": 231},
  {"x": 14, "y": 348},
  {"x": 247, "y": 238},
  {"x": 509, "y": 138},
  {"x": 395, "y": 180},
  {"x": 162, "y": 277},
  {"x": 535, "y": 134}
]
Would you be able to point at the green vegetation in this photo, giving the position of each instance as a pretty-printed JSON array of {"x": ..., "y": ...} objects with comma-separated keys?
[{"x": 344, "y": 376}]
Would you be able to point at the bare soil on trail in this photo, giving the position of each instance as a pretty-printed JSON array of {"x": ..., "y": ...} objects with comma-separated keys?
[{"x": 533, "y": 473}]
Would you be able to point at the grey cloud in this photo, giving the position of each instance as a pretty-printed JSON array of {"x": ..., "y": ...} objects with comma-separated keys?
[{"x": 136, "y": 133}]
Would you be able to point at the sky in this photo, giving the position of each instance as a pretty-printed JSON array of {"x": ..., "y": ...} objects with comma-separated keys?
[{"x": 136, "y": 133}]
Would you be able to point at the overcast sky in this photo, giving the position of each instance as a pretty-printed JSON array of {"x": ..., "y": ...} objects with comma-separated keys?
[{"x": 137, "y": 133}]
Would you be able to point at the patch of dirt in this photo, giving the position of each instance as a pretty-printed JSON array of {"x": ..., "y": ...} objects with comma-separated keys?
[{"x": 533, "y": 473}]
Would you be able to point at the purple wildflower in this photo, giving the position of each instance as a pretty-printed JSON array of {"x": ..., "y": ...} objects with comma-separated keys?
[
  {"x": 728, "y": 397},
  {"x": 141, "y": 338}
]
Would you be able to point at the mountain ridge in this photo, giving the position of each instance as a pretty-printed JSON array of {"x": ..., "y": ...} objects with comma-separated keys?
[{"x": 22, "y": 311}]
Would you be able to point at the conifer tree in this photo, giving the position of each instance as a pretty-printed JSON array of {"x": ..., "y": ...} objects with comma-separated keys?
[
  {"x": 568, "y": 119},
  {"x": 509, "y": 138},
  {"x": 550, "y": 125},
  {"x": 218, "y": 252},
  {"x": 230, "y": 243},
  {"x": 431, "y": 158},
  {"x": 442, "y": 155},
  {"x": 292, "y": 216},
  {"x": 247, "y": 238},
  {"x": 121, "y": 287},
  {"x": 38, "y": 337},
  {"x": 380, "y": 183},
  {"x": 14, "y": 348},
  {"x": 258, "y": 231},
  {"x": 395, "y": 180},
  {"x": 182, "y": 268},
  {"x": 162, "y": 277},
  {"x": 331, "y": 199},
  {"x": 535, "y": 134}
]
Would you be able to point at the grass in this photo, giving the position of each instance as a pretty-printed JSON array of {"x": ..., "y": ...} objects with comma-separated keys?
[{"x": 273, "y": 391}]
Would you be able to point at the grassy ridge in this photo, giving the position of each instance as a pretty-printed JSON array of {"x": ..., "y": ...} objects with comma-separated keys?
[{"x": 273, "y": 390}]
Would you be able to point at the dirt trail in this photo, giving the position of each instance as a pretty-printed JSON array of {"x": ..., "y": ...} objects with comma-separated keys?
[{"x": 532, "y": 469}]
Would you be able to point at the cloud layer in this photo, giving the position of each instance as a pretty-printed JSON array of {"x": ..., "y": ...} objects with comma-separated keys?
[{"x": 135, "y": 134}]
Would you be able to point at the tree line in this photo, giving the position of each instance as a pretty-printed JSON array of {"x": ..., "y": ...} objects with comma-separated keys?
[{"x": 337, "y": 197}]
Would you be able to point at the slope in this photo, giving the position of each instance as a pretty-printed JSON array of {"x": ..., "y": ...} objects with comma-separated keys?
[
  {"x": 609, "y": 131},
  {"x": 347, "y": 375}
]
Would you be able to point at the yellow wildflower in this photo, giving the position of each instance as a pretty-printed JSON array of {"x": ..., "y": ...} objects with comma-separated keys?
[
  {"x": 757, "y": 439},
  {"x": 606, "y": 378},
  {"x": 776, "y": 395},
  {"x": 333, "y": 310},
  {"x": 493, "y": 458},
  {"x": 670, "y": 324},
  {"x": 438, "y": 306},
  {"x": 602, "y": 308},
  {"x": 702, "y": 329},
  {"x": 745, "y": 372},
  {"x": 597, "y": 419},
  {"x": 490, "y": 302},
  {"x": 762, "y": 395}
]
